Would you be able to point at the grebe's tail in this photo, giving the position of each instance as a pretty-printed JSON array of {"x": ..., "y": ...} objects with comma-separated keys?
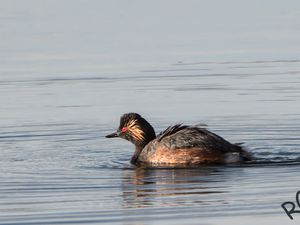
[{"x": 244, "y": 154}]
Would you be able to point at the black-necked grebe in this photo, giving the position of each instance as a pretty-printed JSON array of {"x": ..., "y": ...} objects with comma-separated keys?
[{"x": 177, "y": 146}]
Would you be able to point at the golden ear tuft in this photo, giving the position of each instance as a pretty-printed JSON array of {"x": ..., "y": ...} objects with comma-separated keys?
[
  {"x": 138, "y": 134},
  {"x": 135, "y": 130},
  {"x": 131, "y": 124}
]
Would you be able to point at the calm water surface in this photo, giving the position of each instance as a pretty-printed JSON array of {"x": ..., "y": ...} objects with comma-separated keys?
[{"x": 57, "y": 105}]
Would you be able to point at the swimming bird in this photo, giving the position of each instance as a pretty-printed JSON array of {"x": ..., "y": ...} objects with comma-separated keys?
[{"x": 177, "y": 146}]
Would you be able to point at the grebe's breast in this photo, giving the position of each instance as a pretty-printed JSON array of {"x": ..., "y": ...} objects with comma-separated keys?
[{"x": 188, "y": 146}]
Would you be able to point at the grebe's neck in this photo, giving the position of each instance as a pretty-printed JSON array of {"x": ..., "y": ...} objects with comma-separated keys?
[
  {"x": 139, "y": 146},
  {"x": 141, "y": 133},
  {"x": 136, "y": 154}
]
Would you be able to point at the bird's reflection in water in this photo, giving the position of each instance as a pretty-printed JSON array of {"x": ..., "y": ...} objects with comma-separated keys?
[{"x": 172, "y": 187}]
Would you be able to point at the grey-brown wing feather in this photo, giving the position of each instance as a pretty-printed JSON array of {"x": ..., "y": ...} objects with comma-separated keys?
[
  {"x": 170, "y": 130},
  {"x": 180, "y": 136}
]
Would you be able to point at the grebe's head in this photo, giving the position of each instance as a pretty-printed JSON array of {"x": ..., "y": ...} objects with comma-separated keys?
[{"x": 135, "y": 129}]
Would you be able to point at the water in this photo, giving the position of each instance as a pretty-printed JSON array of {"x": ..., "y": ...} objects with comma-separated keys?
[{"x": 70, "y": 69}]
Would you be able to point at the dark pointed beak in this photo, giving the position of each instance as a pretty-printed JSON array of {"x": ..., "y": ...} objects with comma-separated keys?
[{"x": 113, "y": 135}]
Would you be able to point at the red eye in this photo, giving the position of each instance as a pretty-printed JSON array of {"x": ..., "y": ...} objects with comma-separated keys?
[{"x": 124, "y": 129}]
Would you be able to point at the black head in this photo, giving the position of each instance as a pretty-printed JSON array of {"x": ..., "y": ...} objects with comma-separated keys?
[{"x": 135, "y": 129}]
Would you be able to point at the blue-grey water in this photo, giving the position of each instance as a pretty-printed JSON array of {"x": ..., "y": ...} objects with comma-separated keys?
[{"x": 70, "y": 69}]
